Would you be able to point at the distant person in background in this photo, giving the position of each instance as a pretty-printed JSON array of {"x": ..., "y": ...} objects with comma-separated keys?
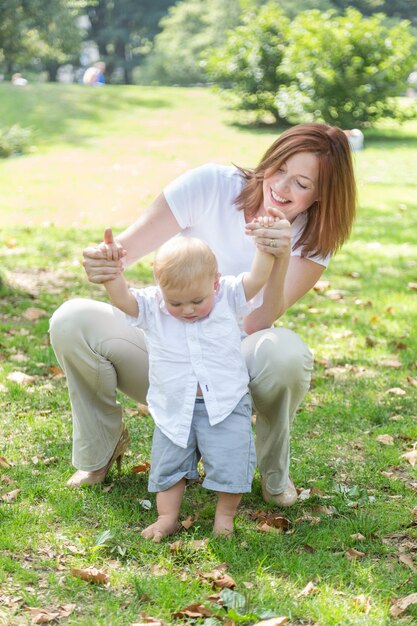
[
  {"x": 17, "y": 79},
  {"x": 412, "y": 83},
  {"x": 94, "y": 75}
]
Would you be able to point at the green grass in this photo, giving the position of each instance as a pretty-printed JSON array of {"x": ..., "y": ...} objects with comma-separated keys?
[{"x": 361, "y": 327}]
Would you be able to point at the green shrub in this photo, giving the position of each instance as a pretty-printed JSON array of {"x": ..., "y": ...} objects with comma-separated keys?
[
  {"x": 341, "y": 69},
  {"x": 344, "y": 69},
  {"x": 250, "y": 61},
  {"x": 14, "y": 140}
]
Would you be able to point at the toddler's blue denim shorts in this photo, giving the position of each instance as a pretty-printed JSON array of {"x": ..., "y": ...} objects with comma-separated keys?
[{"x": 227, "y": 450}]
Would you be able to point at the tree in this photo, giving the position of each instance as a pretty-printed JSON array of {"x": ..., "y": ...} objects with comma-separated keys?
[
  {"x": 403, "y": 9},
  {"x": 123, "y": 29},
  {"x": 249, "y": 64},
  {"x": 344, "y": 69},
  {"x": 292, "y": 8},
  {"x": 41, "y": 33},
  {"x": 190, "y": 29}
]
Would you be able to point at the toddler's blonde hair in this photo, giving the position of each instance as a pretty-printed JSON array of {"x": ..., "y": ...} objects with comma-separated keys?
[{"x": 182, "y": 261}]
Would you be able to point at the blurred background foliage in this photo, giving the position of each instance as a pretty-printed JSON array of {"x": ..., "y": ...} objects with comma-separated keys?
[{"x": 284, "y": 61}]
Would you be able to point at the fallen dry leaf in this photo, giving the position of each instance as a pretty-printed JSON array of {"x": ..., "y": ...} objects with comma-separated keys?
[
  {"x": 271, "y": 521},
  {"x": 392, "y": 363},
  {"x": 177, "y": 546},
  {"x": 33, "y": 313},
  {"x": 273, "y": 621},
  {"x": 158, "y": 570},
  {"x": 263, "y": 527},
  {"x": 141, "y": 468},
  {"x": 358, "y": 537},
  {"x": 397, "y": 391},
  {"x": 219, "y": 578},
  {"x": 66, "y": 609},
  {"x": 402, "y": 604},
  {"x": 193, "y": 610},
  {"x": 147, "y": 619},
  {"x": 387, "y": 440},
  {"x": 307, "y": 548},
  {"x": 363, "y": 602},
  {"x": 4, "y": 463},
  {"x": 19, "y": 357},
  {"x": 412, "y": 286},
  {"x": 91, "y": 575},
  {"x": 407, "y": 559},
  {"x": 5, "y": 479},
  {"x": 353, "y": 554},
  {"x": 143, "y": 409},
  {"x": 11, "y": 496},
  {"x": 191, "y": 519},
  {"x": 20, "y": 378},
  {"x": 410, "y": 456},
  {"x": 324, "y": 510},
  {"x": 306, "y": 517},
  {"x": 216, "y": 597},
  {"x": 304, "y": 494},
  {"x": 414, "y": 511},
  {"x": 321, "y": 285},
  {"x": 42, "y": 616},
  {"x": 308, "y": 590}
]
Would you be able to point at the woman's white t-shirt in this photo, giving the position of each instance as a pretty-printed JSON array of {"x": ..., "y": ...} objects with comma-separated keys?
[{"x": 202, "y": 202}]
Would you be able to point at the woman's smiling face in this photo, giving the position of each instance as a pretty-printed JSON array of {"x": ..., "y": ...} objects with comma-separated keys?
[{"x": 293, "y": 187}]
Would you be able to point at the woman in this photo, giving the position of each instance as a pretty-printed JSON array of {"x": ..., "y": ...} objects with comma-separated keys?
[{"x": 306, "y": 179}]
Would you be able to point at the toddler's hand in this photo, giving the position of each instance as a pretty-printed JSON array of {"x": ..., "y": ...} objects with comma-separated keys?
[{"x": 262, "y": 221}]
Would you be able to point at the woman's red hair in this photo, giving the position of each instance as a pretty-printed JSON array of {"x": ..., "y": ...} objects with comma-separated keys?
[{"x": 329, "y": 219}]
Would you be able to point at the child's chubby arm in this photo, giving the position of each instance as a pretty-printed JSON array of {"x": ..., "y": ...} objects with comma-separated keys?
[
  {"x": 262, "y": 263},
  {"x": 117, "y": 288}
]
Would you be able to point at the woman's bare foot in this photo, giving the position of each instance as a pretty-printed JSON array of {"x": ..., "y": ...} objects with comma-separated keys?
[
  {"x": 82, "y": 477},
  {"x": 164, "y": 526}
]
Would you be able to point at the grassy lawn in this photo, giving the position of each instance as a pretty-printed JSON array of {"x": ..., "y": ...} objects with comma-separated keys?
[{"x": 100, "y": 156}]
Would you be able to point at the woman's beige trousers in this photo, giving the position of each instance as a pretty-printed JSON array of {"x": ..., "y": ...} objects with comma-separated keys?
[{"x": 100, "y": 352}]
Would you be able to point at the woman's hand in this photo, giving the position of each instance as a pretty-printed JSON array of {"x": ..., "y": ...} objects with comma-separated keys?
[
  {"x": 272, "y": 233},
  {"x": 104, "y": 262}
]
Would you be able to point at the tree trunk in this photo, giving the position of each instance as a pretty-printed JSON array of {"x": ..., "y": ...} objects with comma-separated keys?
[{"x": 52, "y": 68}]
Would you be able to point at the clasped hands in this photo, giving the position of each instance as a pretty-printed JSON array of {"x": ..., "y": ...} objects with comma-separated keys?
[
  {"x": 105, "y": 261},
  {"x": 272, "y": 232}
]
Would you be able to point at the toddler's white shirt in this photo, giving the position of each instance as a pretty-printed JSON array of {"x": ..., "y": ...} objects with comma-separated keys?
[{"x": 182, "y": 354}]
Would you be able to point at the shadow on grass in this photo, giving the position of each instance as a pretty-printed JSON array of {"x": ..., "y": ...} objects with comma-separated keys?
[{"x": 51, "y": 109}]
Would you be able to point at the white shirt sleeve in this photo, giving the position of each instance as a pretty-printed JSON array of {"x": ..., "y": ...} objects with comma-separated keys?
[
  {"x": 235, "y": 292},
  {"x": 147, "y": 299},
  {"x": 191, "y": 195}
]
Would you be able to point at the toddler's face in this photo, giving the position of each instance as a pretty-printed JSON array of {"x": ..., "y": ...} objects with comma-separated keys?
[{"x": 191, "y": 303}]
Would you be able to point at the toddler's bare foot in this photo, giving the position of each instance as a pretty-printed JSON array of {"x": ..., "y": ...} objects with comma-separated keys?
[
  {"x": 163, "y": 527},
  {"x": 223, "y": 525}
]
